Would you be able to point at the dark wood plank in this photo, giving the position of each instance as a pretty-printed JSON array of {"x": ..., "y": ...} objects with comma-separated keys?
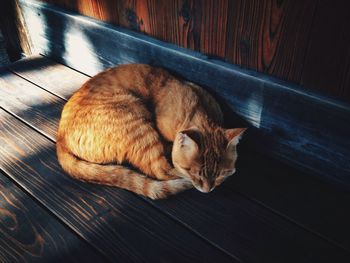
[
  {"x": 28, "y": 101},
  {"x": 30, "y": 234},
  {"x": 243, "y": 226},
  {"x": 305, "y": 129},
  {"x": 116, "y": 222},
  {"x": 232, "y": 223},
  {"x": 311, "y": 203},
  {"x": 43, "y": 71}
]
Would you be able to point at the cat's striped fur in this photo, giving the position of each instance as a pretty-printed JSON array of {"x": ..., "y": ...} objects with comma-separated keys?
[{"x": 126, "y": 114}]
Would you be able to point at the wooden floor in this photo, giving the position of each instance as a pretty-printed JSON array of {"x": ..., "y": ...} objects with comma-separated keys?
[{"x": 268, "y": 212}]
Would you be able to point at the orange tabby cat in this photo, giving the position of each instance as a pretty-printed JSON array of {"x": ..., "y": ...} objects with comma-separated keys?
[{"x": 126, "y": 114}]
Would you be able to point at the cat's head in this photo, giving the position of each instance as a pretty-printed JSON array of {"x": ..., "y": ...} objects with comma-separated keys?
[{"x": 206, "y": 159}]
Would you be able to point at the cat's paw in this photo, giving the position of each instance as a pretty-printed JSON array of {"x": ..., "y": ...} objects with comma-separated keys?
[
  {"x": 168, "y": 174},
  {"x": 164, "y": 189},
  {"x": 179, "y": 185},
  {"x": 175, "y": 174}
]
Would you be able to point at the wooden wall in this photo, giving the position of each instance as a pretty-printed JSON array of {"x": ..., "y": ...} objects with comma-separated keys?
[{"x": 305, "y": 42}]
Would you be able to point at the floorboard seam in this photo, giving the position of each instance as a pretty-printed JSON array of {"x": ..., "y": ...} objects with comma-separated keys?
[
  {"x": 332, "y": 242},
  {"x": 179, "y": 222},
  {"x": 31, "y": 82},
  {"x": 76, "y": 70}
]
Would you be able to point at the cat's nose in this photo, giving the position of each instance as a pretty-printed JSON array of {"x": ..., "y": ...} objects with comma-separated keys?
[
  {"x": 204, "y": 186},
  {"x": 207, "y": 187}
]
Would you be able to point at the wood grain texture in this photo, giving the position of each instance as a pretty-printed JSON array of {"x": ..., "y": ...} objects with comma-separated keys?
[
  {"x": 270, "y": 36},
  {"x": 115, "y": 222},
  {"x": 29, "y": 234},
  {"x": 232, "y": 222},
  {"x": 287, "y": 118},
  {"x": 304, "y": 42}
]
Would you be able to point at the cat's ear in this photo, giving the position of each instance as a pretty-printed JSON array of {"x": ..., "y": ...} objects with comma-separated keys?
[
  {"x": 234, "y": 135},
  {"x": 189, "y": 140},
  {"x": 186, "y": 148}
]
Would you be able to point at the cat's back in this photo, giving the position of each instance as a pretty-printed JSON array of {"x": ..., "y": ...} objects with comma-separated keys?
[
  {"x": 123, "y": 77},
  {"x": 117, "y": 85},
  {"x": 103, "y": 110}
]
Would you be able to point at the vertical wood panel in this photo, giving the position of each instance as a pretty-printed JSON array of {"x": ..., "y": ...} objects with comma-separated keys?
[
  {"x": 245, "y": 23},
  {"x": 213, "y": 26},
  {"x": 270, "y": 36},
  {"x": 306, "y": 42},
  {"x": 327, "y": 65}
]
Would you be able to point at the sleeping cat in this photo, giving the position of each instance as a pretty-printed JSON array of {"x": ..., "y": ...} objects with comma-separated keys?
[{"x": 128, "y": 114}]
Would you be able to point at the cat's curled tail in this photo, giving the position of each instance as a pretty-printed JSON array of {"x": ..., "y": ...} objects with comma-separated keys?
[{"x": 118, "y": 175}]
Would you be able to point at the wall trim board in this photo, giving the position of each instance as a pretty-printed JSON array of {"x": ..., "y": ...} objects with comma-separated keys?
[{"x": 298, "y": 126}]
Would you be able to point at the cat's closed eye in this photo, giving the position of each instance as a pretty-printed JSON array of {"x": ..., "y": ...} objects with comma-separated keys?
[
  {"x": 220, "y": 179},
  {"x": 190, "y": 170},
  {"x": 224, "y": 174}
]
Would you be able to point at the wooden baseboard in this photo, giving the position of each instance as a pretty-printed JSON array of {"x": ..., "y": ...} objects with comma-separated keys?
[{"x": 304, "y": 128}]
